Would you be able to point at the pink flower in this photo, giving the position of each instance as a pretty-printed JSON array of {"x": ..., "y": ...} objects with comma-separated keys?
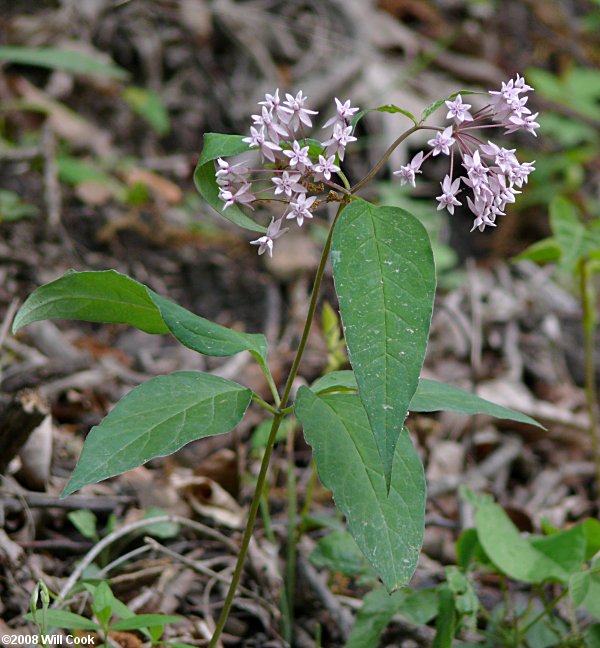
[
  {"x": 448, "y": 196},
  {"x": 442, "y": 141},
  {"x": 458, "y": 110},
  {"x": 408, "y": 171}
]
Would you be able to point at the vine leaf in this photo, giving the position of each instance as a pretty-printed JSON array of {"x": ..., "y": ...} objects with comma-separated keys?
[
  {"x": 385, "y": 280},
  {"x": 388, "y": 527},
  {"x": 156, "y": 419}
]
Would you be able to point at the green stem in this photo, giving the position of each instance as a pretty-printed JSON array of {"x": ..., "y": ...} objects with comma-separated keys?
[
  {"x": 589, "y": 329},
  {"x": 375, "y": 170},
  {"x": 344, "y": 179},
  {"x": 260, "y": 482},
  {"x": 257, "y": 399},
  {"x": 268, "y": 377},
  {"x": 292, "y": 502},
  {"x": 546, "y": 611}
]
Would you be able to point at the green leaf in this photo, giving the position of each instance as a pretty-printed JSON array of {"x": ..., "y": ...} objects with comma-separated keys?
[
  {"x": 12, "y": 208},
  {"x": 388, "y": 108},
  {"x": 67, "y": 620},
  {"x": 215, "y": 146},
  {"x": 431, "y": 396},
  {"x": 205, "y": 336},
  {"x": 148, "y": 105},
  {"x": 440, "y": 102},
  {"x": 111, "y": 297},
  {"x": 545, "y": 251},
  {"x": 107, "y": 296},
  {"x": 592, "y": 636},
  {"x": 591, "y": 530},
  {"x": 163, "y": 530},
  {"x": 58, "y": 59},
  {"x": 376, "y": 612},
  {"x": 339, "y": 552},
  {"x": 513, "y": 554},
  {"x": 85, "y": 522},
  {"x": 156, "y": 419},
  {"x": 335, "y": 381},
  {"x": 574, "y": 239},
  {"x": 469, "y": 550},
  {"x": 420, "y": 606},
  {"x": 566, "y": 548},
  {"x": 584, "y": 589},
  {"x": 385, "y": 281},
  {"x": 141, "y": 621},
  {"x": 387, "y": 528}
]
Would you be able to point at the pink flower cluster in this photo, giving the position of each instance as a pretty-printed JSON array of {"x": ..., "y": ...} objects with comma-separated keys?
[
  {"x": 289, "y": 173},
  {"x": 492, "y": 173}
]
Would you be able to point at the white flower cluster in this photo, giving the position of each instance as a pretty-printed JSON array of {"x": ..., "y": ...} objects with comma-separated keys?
[
  {"x": 289, "y": 173},
  {"x": 491, "y": 172}
]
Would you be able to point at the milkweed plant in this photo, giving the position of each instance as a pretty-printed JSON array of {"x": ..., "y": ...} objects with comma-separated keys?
[{"x": 384, "y": 278}]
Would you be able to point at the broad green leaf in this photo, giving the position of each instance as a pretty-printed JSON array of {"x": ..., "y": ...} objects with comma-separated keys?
[
  {"x": 385, "y": 281},
  {"x": 440, "y": 102},
  {"x": 376, "y": 612},
  {"x": 141, "y": 621},
  {"x": 156, "y": 419},
  {"x": 111, "y": 297},
  {"x": 584, "y": 589},
  {"x": 544, "y": 251},
  {"x": 60, "y": 59},
  {"x": 106, "y": 296},
  {"x": 339, "y": 552},
  {"x": 420, "y": 606},
  {"x": 388, "y": 108},
  {"x": 66, "y": 620},
  {"x": 566, "y": 548},
  {"x": 431, "y": 396},
  {"x": 513, "y": 554},
  {"x": 215, "y": 146},
  {"x": 387, "y": 528}
]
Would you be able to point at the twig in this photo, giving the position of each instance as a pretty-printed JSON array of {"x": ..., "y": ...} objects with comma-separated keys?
[
  {"x": 198, "y": 567},
  {"x": 134, "y": 526},
  {"x": 341, "y": 616}
]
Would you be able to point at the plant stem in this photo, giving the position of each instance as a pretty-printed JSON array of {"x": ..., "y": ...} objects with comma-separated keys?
[
  {"x": 257, "y": 399},
  {"x": 375, "y": 170},
  {"x": 546, "y": 611},
  {"x": 260, "y": 482},
  {"x": 587, "y": 295}
]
